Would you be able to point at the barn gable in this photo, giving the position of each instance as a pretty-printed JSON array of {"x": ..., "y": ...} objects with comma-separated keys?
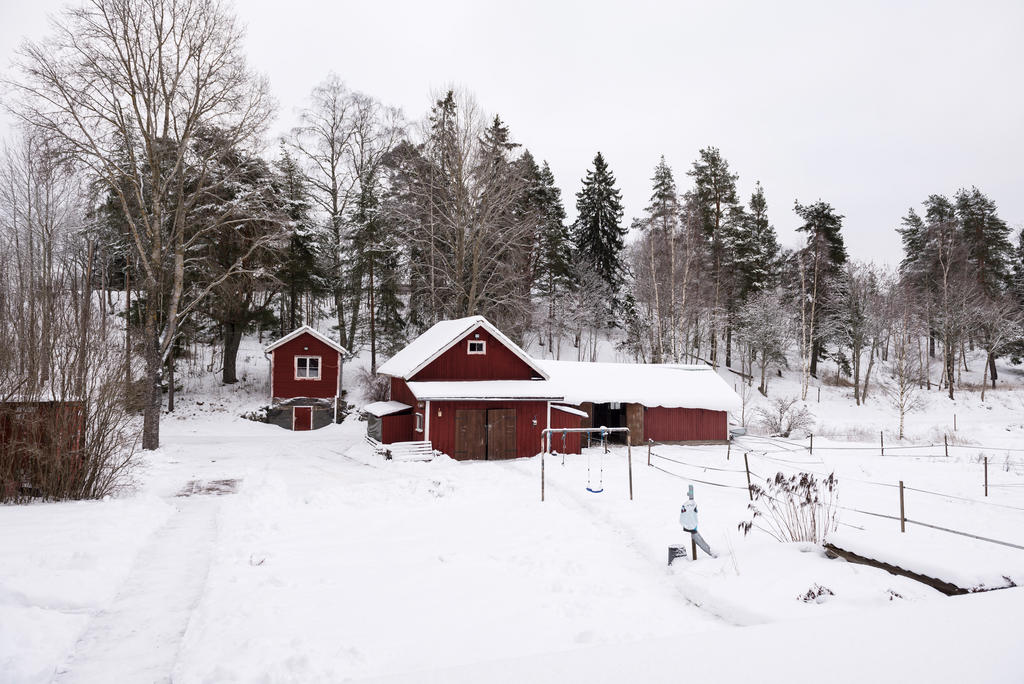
[{"x": 464, "y": 349}]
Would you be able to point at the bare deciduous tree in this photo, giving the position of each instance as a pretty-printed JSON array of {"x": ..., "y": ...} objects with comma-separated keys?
[{"x": 123, "y": 87}]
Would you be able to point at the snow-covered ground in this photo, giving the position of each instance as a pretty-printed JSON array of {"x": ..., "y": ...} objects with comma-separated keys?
[{"x": 247, "y": 553}]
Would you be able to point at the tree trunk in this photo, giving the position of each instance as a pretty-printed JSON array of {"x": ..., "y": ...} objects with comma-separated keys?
[
  {"x": 728, "y": 344},
  {"x": 232, "y": 338},
  {"x": 992, "y": 374},
  {"x": 170, "y": 380},
  {"x": 154, "y": 366}
]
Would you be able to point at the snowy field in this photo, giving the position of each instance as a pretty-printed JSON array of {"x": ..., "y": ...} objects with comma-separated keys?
[{"x": 247, "y": 553}]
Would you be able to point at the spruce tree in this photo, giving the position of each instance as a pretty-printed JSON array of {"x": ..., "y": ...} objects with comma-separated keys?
[
  {"x": 553, "y": 275},
  {"x": 598, "y": 233},
  {"x": 755, "y": 248},
  {"x": 301, "y": 271}
]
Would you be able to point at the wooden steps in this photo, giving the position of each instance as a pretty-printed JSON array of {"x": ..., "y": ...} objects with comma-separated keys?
[{"x": 403, "y": 451}]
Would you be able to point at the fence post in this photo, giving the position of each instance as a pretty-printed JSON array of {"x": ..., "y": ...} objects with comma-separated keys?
[
  {"x": 728, "y": 450},
  {"x": 693, "y": 546},
  {"x": 812, "y": 443},
  {"x": 746, "y": 464},
  {"x": 649, "y": 443},
  {"x": 819, "y": 394},
  {"x": 903, "y": 516},
  {"x": 629, "y": 456},
  {"x": 881, "y": 440},
  {"x": 954, "y": 422},
  {"x": 986, "y": 476},
  {"x": 945, "y": 443},
  {"x": 542, "y": 476}
]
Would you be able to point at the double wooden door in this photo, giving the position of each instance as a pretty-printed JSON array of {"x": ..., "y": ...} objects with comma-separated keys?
[{"x": 485, "y": 433}]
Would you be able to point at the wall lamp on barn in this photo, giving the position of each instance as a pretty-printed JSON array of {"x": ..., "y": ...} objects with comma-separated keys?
[
  {"x": 438, "y": 411},
  {"x": 535, "y": 421}
]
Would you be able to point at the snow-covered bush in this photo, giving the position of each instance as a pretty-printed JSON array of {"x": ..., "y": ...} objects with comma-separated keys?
[
  {"x": 797, "y": 508},
  {"x": 375, "y": 387},
  {"x": 784, "y": 416}
]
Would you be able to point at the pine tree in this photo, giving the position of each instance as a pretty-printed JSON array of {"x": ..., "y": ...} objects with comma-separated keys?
[
  {"x": 661, "y": 222},
  {"x": 714, "y": 196},
  {"x": 988, "y": 239},
  {"x": 826, "y": 254},
  {"x": 598, "y": 233}
]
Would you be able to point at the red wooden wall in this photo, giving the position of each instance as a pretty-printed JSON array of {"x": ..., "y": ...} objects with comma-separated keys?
[
  {"x": 499, "y": 363},
  {"x": 283, "y": 382},
  {"x": 683, "y": 424},
  {"x": 398, "y": 428},
  {"x": 561, "y": 419},
  {"x": 401, "y": 392},
  {"x": 442, "y": 429}
]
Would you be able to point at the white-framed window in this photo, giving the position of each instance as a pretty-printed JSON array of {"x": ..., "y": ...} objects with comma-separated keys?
[
  {"x": 419, "y": 422},
  {"x": 476, "y": 347},
  {"x": 307, "y": 367}
]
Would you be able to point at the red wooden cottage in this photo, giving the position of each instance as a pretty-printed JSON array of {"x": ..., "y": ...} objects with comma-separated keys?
[
  {"x": 471, "y": 392},
  {"x": 305, "y": 379}
]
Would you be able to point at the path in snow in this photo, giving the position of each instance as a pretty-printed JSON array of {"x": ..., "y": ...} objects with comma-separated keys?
[{"x": 136, "y": 638}]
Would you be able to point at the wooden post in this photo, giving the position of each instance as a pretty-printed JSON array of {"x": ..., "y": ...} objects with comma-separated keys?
[
  {"x": 629, "y": 456},
  {"x": 728, "y": 451},
  {"x": 649, "y": 443},
  {"x": 945, "y": 442},
  {"x": 954, "y": 422},
  {"x": 693, "y": 546},
  {"x": 903, "y": 516},
  {"x": 819, "y": 394},
  {"x": 881, "y": 440},
  {"x": 812, "y": 443},
  {"x": 986, "y": 476},
  {"x": 746, "y": 464}
]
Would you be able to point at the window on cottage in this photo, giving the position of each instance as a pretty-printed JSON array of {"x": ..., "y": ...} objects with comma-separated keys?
[
  {"x": 477, "y": 347},
  {"x": 419, "y": 422},
  {"x": 307, "y": 367}
]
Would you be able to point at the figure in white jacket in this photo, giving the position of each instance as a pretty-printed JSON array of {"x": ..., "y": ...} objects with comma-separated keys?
[{"x": 688, "y": 519}]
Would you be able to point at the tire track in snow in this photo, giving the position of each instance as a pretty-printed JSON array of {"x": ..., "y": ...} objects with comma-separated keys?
[{"x": 136, "y": 638}]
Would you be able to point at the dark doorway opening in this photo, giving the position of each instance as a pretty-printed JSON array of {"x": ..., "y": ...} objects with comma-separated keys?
[{"x": 609, "y": 415}]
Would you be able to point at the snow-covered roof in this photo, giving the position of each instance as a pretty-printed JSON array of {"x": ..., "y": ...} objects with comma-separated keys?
[
  {"x": 306, "y": 329},
  {"x": 570, "y": 409},
  {"x": 485, "y": 389},
  {"x": 441, "y": 337},
  {"x": 668, "y": 385},
  {"x": 385, "y": 408}
]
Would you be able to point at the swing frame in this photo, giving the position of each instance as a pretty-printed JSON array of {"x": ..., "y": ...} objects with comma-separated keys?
[{"x": 545, "y": 449}]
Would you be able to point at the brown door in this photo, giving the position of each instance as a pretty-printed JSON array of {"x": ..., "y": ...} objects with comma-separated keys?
[
  {"x": 470, "y": 434},
  {"x": 501, "y": 433},
  {"x": 303, "y": 418}
]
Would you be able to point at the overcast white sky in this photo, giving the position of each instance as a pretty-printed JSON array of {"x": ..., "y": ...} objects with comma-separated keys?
[{"x": 868, "y": 105}]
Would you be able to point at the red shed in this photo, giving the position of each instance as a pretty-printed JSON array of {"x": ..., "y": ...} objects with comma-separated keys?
[
  {"x": 305, "y": 379},
  {"x": 471, "y": 392}
]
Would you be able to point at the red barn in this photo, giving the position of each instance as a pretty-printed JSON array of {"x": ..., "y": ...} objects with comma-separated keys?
[
  {"x": 472, "y": 393},
  {"x": 305, "y": 379}
]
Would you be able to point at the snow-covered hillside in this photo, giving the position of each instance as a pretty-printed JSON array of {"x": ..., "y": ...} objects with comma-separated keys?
[{"x": 248, "y": 553}]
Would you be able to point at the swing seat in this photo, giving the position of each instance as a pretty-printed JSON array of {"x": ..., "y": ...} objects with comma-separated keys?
[{"x": 595, "y": 491}]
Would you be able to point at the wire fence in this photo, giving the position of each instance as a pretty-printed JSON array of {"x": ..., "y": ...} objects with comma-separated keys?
[{"x": 789, "y": 464}]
